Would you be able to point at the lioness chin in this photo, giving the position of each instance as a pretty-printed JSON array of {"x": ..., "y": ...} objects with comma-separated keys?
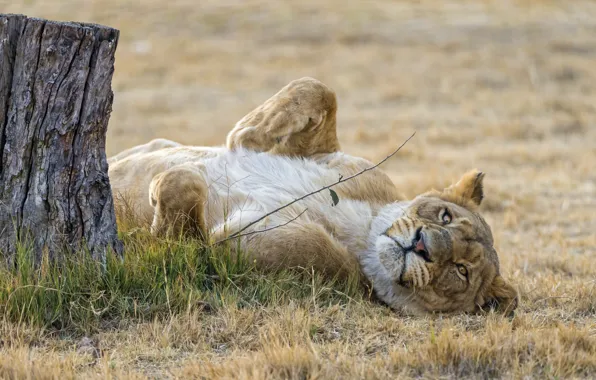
[{"x": 431, "y": 254}]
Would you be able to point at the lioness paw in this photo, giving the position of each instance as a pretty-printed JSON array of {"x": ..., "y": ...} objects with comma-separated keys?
[
  {"x": 178, "y": 196},
  {"x": 299, "y": 121}
]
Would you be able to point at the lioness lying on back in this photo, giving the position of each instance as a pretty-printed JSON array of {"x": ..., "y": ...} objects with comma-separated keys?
[{"x": 432, "y": 253}]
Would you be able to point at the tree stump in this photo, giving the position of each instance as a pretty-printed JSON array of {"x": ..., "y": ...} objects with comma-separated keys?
[{"x": 55, "y": 103}]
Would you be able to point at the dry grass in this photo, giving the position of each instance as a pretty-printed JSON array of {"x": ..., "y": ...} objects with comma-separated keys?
[{"x": 508, "y": 87}]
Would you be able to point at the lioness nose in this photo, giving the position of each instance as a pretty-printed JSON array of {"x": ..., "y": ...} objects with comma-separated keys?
[{"x": 419, "y": 246}]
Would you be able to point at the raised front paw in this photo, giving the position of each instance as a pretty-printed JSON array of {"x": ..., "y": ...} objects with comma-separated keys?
[{"x": 300, "y": 120}]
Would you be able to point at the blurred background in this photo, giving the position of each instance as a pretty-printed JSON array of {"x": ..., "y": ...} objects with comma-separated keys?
[{"x": 505, "y": 86}]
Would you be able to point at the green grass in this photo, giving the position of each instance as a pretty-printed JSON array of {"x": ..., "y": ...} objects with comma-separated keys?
[{"x": 158, "y": 278}]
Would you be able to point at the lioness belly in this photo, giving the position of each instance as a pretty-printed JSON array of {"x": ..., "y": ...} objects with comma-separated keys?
[{"x": 244, "y": 186}]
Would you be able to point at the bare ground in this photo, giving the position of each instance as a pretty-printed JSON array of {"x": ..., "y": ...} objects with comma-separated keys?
[{"x": 507, "y": 87}]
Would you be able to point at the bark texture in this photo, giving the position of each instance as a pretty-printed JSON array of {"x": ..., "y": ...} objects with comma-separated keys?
[{"x": 55, "y": 103}]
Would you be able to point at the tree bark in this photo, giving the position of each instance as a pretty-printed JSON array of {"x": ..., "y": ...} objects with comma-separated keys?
[{"x": 55, "y": 103}]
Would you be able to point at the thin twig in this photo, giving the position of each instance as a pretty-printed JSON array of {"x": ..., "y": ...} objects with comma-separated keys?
[
  {"x": 259, "y": 231},
  {"x": 340, "y": 180}
]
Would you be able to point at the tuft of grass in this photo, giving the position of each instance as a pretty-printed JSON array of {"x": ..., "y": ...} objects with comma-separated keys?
[{"x": 158, "y": 279}]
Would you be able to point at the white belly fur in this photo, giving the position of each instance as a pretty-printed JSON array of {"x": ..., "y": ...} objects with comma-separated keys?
[{"x": 245, "y": 185}]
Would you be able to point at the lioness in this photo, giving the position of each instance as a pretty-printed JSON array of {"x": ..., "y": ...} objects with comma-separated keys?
[{"x": 431, "y": 254}]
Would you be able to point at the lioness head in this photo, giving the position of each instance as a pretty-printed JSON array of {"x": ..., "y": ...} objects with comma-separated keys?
[{"x": 438, "y": 253}]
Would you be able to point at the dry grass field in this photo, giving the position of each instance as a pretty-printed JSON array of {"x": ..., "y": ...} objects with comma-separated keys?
[{"x": 508, "y": 87}]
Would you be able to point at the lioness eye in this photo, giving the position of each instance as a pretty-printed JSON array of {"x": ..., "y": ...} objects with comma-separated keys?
[
  {"x": 462, "y": 270},
  {"x": 446, "y": 217}
]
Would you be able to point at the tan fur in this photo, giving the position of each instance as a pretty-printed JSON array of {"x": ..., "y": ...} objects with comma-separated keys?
[
  {"x": 316, "y": 247},
  {"x": 178, "y": 196},
  {"x": 163, "y": 180},
  {"x": 132, "y": 171}
]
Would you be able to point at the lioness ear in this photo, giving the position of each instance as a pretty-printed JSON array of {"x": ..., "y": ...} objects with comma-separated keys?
[
  {"x": 500, "y": 296},
  {"x": 468, "y": 188}
]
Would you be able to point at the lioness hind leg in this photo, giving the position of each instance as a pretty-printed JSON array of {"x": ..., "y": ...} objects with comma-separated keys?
[
  {"x": 300, "y": 120},
  {"x": 178, "y": 197},
  {"x": 151, "y": 146}
]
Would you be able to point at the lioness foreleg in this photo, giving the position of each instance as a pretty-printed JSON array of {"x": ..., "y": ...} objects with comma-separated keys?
[
  {"x": 300, "y": 120},
  {"x": 302, "y": 245}
]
